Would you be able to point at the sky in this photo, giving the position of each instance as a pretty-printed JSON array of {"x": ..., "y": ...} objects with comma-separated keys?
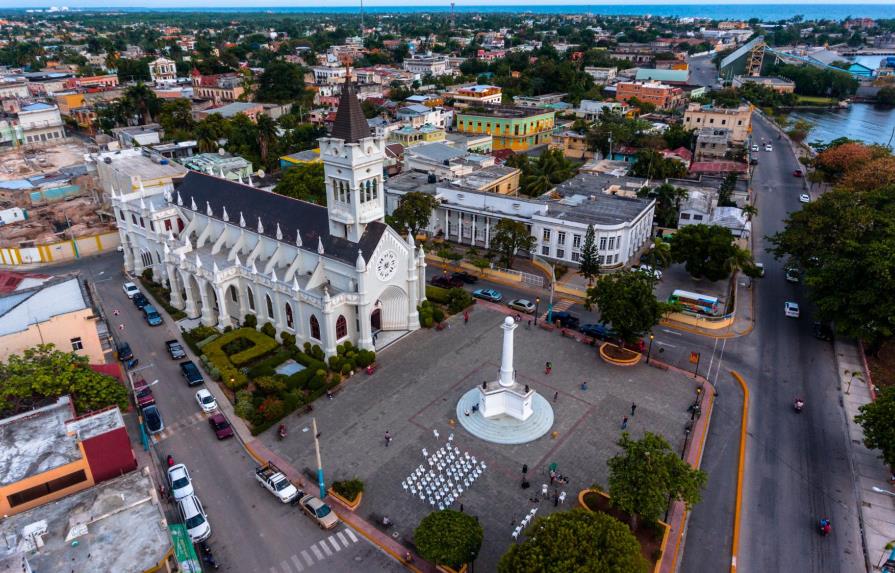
[{"x": 311, "y": 3}]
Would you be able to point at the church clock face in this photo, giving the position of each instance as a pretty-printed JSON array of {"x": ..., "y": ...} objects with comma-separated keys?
[{"x": 387, "y": 265}]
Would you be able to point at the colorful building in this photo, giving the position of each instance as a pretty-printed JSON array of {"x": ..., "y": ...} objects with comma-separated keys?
[
  {"x": 661, "y": 95},
  {"x": 409, "y": 136},
  {"x": 510, "y": 127}
]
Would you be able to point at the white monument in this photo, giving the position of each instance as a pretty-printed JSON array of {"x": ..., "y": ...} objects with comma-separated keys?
[{"x": 506, "y": 396}]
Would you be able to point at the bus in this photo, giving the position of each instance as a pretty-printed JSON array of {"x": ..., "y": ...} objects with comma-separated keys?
[{"x": 695, "y": 302}]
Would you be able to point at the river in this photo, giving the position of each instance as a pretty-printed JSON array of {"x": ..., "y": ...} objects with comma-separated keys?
[{"x": 860, "y": 121}]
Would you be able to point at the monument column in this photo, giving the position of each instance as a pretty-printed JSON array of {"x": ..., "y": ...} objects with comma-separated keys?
[{"x": 507, "y": 374}]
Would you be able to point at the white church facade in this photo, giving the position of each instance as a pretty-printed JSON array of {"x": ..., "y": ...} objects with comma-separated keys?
[{"x": 324, "y": 274}]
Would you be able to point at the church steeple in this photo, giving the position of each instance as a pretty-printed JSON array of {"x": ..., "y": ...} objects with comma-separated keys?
[{"x": 350, "y": 125}]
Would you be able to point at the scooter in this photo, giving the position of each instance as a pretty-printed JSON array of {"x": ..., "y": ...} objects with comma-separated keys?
[
  {"x": 281, "y": 432},
  {"x": 824, "y": 526},
  {"x": 207, "y": 557},
  {"x": 132, "y": 363},
  {"x": 170, "y": 460},
  {"x": 798, "y": 405}
]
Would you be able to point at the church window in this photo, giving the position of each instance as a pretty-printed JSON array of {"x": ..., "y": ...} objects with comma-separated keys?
[
  {"x": 375, "y": 189},
  {"x": 269, "y": 306},
  {"x": 289, "y": 315},
  {"x": 315, "y": 328},
  {"x": 251, "y": 299},
  {"x": 341, "y": 328}
]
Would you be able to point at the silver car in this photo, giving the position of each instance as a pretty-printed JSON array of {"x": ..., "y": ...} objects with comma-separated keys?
[{"x": 522, "y": 305}]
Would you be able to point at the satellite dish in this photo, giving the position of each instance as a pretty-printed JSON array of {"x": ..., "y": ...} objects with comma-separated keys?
[
  {"x": 221, "y": 151},
  {"x": 260, "y": 173}
]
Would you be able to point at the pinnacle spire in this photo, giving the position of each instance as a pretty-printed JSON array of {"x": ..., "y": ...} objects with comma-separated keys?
[{"x": 350, "y": 125}]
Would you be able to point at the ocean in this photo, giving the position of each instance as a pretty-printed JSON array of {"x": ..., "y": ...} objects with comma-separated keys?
[{"x": 765, "y": 12}]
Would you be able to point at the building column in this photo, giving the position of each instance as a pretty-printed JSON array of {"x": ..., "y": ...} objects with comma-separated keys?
[
  {"x": 329, "y": 328},
  {"x": 138, "y": 262},
  {"x": 191, "y": 308},
  {"x": 460, "y": 227},
  {"x": 174, "y": 286},
  {"x": 224, "y": 319},
  {"x": 487, "y": 232},
  {"x": 365, "y": 334},
  {"x": 207, "y": 310}
]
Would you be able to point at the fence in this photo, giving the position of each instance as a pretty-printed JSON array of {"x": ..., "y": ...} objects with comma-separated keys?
[{"x": 60, "y": 251}]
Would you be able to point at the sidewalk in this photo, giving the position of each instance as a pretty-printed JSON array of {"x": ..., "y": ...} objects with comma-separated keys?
[{"x": 877, "y": 510}]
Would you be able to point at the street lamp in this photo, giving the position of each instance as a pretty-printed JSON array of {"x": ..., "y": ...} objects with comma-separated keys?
[
  {"x": 537, "y": 306},
  {"x": 650, "y": 349},
  {"x": 884, "y": 491}
]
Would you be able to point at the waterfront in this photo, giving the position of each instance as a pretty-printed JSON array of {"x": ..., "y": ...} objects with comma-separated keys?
[{"x": 861, "y": 121}]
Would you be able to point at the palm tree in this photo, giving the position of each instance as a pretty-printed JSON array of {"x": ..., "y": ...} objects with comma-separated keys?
[
  {"x": 740, "y": 259},
  {"x": 267, "y": 131},
  {"x": 750, "y": 211},
  {"x": 142, "y": 100},
  {"x": 660, "y": 253}
]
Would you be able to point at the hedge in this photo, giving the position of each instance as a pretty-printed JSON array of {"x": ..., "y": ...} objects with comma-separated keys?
[
  {"x": 162, "y": 298},
  {"x": 438, "y": 294},
  {"x": 349, "y": 489},
  {"x": 262, "y": 345}
]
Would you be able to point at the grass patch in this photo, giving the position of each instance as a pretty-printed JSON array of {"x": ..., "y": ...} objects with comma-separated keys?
[{"x": 816, "y": 100}]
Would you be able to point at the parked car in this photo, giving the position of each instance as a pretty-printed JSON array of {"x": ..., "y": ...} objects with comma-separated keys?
[
  {"x": 179, "y": 482},
  {"x": 753, "y": 161},
  {"x": 446, "y": 282},
  {"x": 822, "y": 331},
  {"x": 768, "y": 147},
  {"x": 522, "y": 305},
  {"x": 791, "y": 309},
  {"x": 206, "y": 401},
  {"x": 153, "y": 419},
  {"x": 597, "y": 330},
  {"x": 565, "y": 319},
  {"x": 755, "y": 148},
  {"x": 143, "y": 393},
  {"x": 191, "y": 373},
  {"x": 124, "y": 351},
  {"x": 792, "y": 275},
  {"x": 318, "y": 511},
  {"x": 175, "y": 349},
  {"x": 276, "y": 482},
  {"x": 487, "y": 294},
  {"x": 650, "y": 271},
  {"x": 140, "y": 300},
  {"x": 760, "y": 268},
  {"x": 193, "y": 515},
  {"x": 130, "y": 289},
  {"x": 221, "y": 426},
  {"x": 465, "y": 277},
  {"x": 804, "y": 198},
  {"x": 153, "y": 318}
]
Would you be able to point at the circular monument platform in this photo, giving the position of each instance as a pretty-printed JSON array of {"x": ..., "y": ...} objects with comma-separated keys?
[{"x": 504, "y": 429}]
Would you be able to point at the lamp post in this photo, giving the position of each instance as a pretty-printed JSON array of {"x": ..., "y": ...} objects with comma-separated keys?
[
  {"x": 650, "y": 349},
  {"x": 537, "y": 306}
]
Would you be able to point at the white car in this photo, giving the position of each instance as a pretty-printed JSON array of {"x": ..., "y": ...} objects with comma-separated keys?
[
  {"x": 130, "y": 289},
  {"x": 179, "y": 481},
  {"x": 206, "y": 401},
  {"x": 651, "y": 271},
  {"x": 791, "y": 309},
  {"x": 768, "y": 147},
  {"x": 805, "y": 198},
  {"x": 194, "y": 518},
  {"x": 755, "y": 148}
]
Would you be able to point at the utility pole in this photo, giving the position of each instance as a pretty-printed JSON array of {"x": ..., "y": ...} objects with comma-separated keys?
[{"x": 319, "y": 463}]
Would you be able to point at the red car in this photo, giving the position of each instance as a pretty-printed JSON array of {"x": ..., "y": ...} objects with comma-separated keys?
[
  {"x": 143, "y": 393},
  {"x": 797, "y": 173},
  {"x": 221, "y": 426}
]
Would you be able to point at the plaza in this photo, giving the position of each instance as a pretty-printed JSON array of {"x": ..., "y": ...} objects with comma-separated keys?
[{"x": 414, "y": 395}]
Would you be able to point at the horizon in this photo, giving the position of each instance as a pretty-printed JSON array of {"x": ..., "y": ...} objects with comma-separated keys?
[{"x": 280, "y": 4}]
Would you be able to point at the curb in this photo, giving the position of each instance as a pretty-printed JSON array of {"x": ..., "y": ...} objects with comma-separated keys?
[{"x": 742, "y": 463}]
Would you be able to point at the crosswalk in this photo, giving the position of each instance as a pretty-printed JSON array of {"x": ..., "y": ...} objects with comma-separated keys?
[
  {"x": 179, "y": 425},
  {"x": 558, "y": 306},
  {"x": 317, "y": 553}
]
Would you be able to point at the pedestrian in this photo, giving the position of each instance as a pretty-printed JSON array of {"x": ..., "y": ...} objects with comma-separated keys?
[
  {"x": 584, "y": 385},
  {"x": 388, "y": 438},
  {"x": 552, "y": 477},
  {"x": 633, "y": 407},
  {"x": 115, "y": 312},
  {"x": 555, "y": 396},
  {"x": 529, "y": 323},
  {"x": 548, "y": 367},
  {"x": 461, "y": 508},
  {"x": 466, "y": 413},
  {"x": 624, "y": 423},
  {"x": 465, "y": 317},
  {"x": 121, "y": 326}
]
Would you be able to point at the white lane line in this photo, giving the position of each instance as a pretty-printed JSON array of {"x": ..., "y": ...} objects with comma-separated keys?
[
  {"x": 341, "y": 536},
  {"x": 351, "y": 535},
  {"x": 317, "y": 552},
  {"x": 335, "y": 544},
  {"x": 285, "y": 566},
  {"x": 666, "y": 344},
  {"x": 670, "y": 332},
  {"x": 325, "y": 547},
  {"x": 307, "y": 557},
  {"x": 297, "y": 562}
]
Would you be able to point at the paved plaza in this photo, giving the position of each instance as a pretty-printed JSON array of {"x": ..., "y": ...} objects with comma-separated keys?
[{"x": 414, "y": 394}]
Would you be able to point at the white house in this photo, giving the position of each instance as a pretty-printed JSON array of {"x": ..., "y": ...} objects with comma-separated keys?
[{"x": 163, "y": 71}]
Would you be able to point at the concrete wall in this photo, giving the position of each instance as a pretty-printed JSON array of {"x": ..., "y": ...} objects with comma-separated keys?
[
  {"x": 61, "y": 251},
  {"x": 44, "y": 478},
  {"x": 59, "y": 330}
]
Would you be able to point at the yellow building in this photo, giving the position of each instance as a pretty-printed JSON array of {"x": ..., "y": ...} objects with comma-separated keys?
[
  {"x": 737, "y": 120},
  {"x": 409, "y": 136},
  {"x": 68, "y": 102},
  {"x": 572, "y": 144},
  {"x": 513, "y": 128}
]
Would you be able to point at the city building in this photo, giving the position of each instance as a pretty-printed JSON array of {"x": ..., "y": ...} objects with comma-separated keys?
[
  {"x": 409, "y": 136},
  {"x": 40, "y": 123},
  {"x": 325, "y": 75},
  {"x": 513, "y": 128},
  {"x": 417, "y": 115},
  {"x": 590, "y": 110},
  {"x": 539, "y": 101},
  {"x": 130, "y": 170},
  {"x": 300, "y": 158},
  {"x": 225, "y": 166},
  {"x": 712, "y": 143},
  {"x": 738, "y": 120},
  {"x": 249, "y": 109},
  {"x": 444, "y": 161},
  {"x": 661, "y": 95},
  {"x": 427, "y": 65},
  {"x": 666, "y": 76},
  {"x": 138, "y": 135},
  {"x": 48, "y": 453},
  {"x": 779, "y": 85},
  {"x": 323, "y": 274},
  {"x": 58, "y": 312},
  {"x": 163, "y": 71},
  {"x": 601, "y": 75},
  {"x": 85, "y": 82},
  {"x": 474, "y": 95},
  {"x": 219, "y": 88},
  {"x": 572, "y": 144}
]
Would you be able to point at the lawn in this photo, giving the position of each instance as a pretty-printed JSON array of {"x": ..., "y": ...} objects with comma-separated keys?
[{"x": 817, "y": 100}]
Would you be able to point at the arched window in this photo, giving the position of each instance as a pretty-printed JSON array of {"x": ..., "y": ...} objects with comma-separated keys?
[
  {"x": 289, "y": 315},
  {"x": 269, "y": 306},
  {"x": 232, "y": 290},
  {"x": 251, "y": 298},
  {"x": 315, "y": 328},
  {"x": 375, "y": 189},
  {"x": 341, "y": 328}
]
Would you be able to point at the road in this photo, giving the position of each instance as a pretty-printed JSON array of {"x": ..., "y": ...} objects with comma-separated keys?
[
  {"x": 251, "y": 530},
  {"x": 703, "y": 71}
]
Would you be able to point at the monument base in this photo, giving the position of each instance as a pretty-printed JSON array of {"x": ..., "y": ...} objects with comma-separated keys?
[
  {"x": 515, "y": 400},
  {"x": 503, "y": 428}
]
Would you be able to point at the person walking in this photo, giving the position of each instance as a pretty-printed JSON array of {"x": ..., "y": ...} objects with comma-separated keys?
[
  {"x": 465, "y": 317},
  {"x": 633, "y": 407},
  {"x": 548, "y": 367},
  {"x": 555, "y": 396},
  {"x": 624, "y": 423},
  {"x": 116, "y": 312},
  {"x": 388, "y": 437}
]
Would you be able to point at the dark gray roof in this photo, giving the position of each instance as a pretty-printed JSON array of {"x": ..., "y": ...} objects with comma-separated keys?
[
  {"x": 350, "y": 124},
  {"x": 291, "y": 214},
  {"x": 584, "y": 200}
]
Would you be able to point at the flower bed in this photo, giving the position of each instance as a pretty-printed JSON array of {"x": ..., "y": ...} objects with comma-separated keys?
[
  {"x": 349, "y": 492},
  {"x": 619, "y": 356},
  {"x": 652, "y": 536},
  {"x": 162, "y": 297}
]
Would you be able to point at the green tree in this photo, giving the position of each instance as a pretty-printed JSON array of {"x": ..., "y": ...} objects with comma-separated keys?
[
  {"x": 877, "y": 420},
  {"x": 448, "y": 537},
  {"x": 267, "y": 133},
  {"x": 304, "y": 182},
  {"x": 509, "y": 238},
  {"x": 626, "y": 301},
  {"x": 132, "y": 70},
  {"x": 651, "y": 165},
  {"x": 44, "y": 372},
  {"x": 176, "y": 118},
  {"x": 886, "y": 95},
  {"x": 413, "y": 212},
  {"x": 678, "y": 136},
  {"x": 142, "y": 101},
  {"x": 659, "y": 253},
  {"x": 668, "y": 203},
  {"x": 725, "y": 191},
  {"x": 589, "y": 263},
  {"x": 210, "y": 131},
  {"x": 556, "y": 544},
  {"x": 281, "y": 82},
  {"x": 708, "y": 251},
  {"x": 648, "y": 474}
]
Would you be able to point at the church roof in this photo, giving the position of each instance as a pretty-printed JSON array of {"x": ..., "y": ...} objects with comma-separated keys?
[
  {"x": 350, "y": 124},
  {"x": 291, "y": 214}
]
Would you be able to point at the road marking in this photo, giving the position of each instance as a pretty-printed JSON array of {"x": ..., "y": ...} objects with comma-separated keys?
[
  {"x": 285, "y": 567},
  {"x": 297, "y": 562},
  {"x": 666, "y": 344},
  {"x": 351, "y": 535},
  {"x": 317, "y": 552},
  {"x": 307, "y": 557},
  {"x": 324, "y": 547},
  {"x": 335, "y": 544},
  {"x": 670, "y": 332},
  {"x": 341, "y": 537}
]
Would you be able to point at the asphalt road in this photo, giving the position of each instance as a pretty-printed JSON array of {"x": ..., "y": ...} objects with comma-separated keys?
[
  {"x": 703, "y": 71},
  {"x": 251, "y": 530}
]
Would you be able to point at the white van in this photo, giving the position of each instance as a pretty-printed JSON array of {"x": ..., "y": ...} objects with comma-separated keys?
[{"x": 193, "y": 515}]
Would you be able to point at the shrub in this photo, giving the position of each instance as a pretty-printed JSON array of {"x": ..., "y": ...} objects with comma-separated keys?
[
  {"x": 346, "y": 369},
  {"x": 349, "y": 489},
  {"x": 335, "y": 363},
  {"x": 426, "y": 320},
  {"x": 272, "y": 409},
  {"x": 147, "y": 274},
  {"x": 250, "y": 321},
  {"x": 365, "y": 358},
  {"x": 437, "y": 314},
  {"x": 299, "y": 380},
  {"x": 437, "y": 294},
  {"x": 261, "y": 345},
  {"x": 236, "y": 346},
  {"x": 288, "y": 340},
  {"x": 202, "y": 332},
  {"x": 459, "y": 300},
  {"x": 317, "y": 352},
  {"x": 267, "y": 366},
  {"x": 317, "y": 382},
  {"x": 244, "y": 407},
  {"x": 269, "y": 329},
  {"x": 271, "y": 384},
  {"x": 307, "y": 347}
]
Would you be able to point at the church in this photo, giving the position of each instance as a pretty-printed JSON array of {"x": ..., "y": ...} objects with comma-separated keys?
[{"x": 323, "y": 274}]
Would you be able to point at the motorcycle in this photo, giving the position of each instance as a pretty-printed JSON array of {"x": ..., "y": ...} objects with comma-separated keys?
[
  {"x": 132, "y": 363},
  {"x": 281, "y": 432},
  {"x": 824, "y": 526},
  {"x": 207, "y": 557},
  {"x": 798, "y": 405},
  {"x": 170, "y": 460}
]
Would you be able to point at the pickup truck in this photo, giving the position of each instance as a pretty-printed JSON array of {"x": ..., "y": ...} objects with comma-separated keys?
[
  {"x": 276, "y": 482},
  {"x": 175, "y": 349},
  {"x": 318, "y": 511}
]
